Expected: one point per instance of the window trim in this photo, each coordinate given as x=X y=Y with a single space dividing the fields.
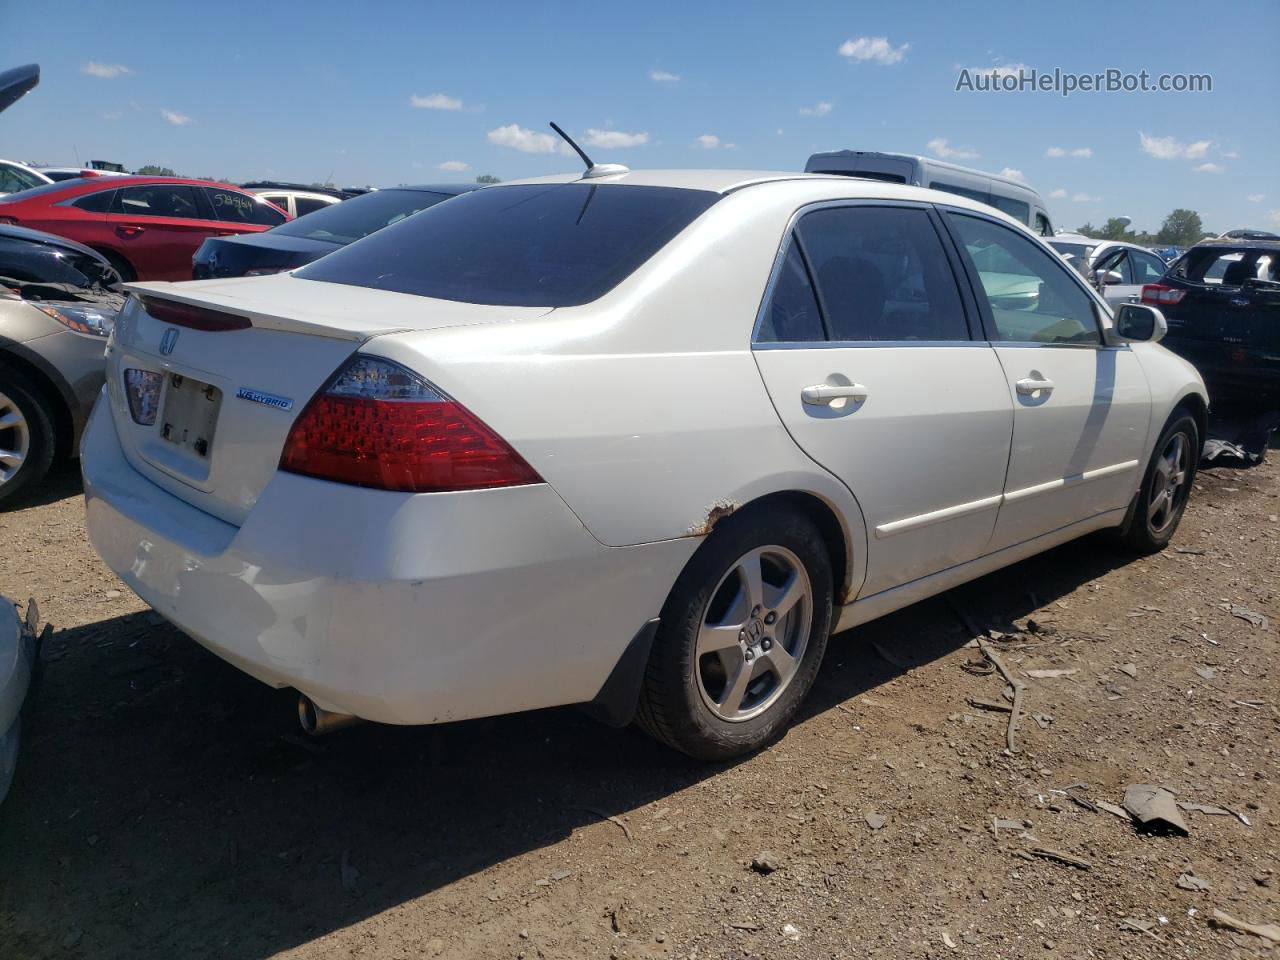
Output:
x=969 y=306
x=1100 y=309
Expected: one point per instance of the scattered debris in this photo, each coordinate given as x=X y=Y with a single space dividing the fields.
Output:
x=1011 y=731
x=876 y=820
x=1047 y=853
x=790 y=931
x=1049 y=674
x=1111 y=808
x=989 y=705
x=1000 y=823
x=1154 y=808
x=1042 y=720
x=1189 y=552
x=946 y=938
x=1214 y=811
x=1129 y=669
x=766 y=862
x=1189 y=881
x=1142 y=926
x=1267 y=931
x=746 y=925
x=1244 y=613
x=1205 y=673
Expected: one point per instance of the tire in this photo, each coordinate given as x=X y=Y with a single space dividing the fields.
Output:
x=121 y=266
x=27 y=438
x=1162 y=498
x=708 y=632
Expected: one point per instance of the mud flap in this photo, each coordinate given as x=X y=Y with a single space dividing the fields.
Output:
x=615 y=704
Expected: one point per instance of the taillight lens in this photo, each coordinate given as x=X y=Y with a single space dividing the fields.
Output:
x=378 y=424
x=1158 y=295
x=142 y=387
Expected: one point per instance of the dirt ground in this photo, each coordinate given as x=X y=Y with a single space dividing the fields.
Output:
x=166 y=805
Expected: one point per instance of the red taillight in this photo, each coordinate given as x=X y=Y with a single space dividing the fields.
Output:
x=1158 y=295
x=379 y=425
x=196 y=318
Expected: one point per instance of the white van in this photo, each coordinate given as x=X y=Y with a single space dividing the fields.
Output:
x=1009 y=196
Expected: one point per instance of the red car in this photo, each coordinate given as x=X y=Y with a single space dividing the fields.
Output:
x=148 y=227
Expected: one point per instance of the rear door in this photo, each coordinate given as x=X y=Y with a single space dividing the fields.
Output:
x=865 y=346
x=158 y=226
x=238 y=212
x=1081 y=408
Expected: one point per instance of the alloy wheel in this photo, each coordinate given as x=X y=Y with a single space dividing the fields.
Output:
x=753 y=633
x=15 y=439
x=1169 y=483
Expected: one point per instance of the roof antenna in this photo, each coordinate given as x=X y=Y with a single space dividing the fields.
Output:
x=593 y=169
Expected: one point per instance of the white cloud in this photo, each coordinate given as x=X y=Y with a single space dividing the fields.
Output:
x=614 y=139
x=1209 y=168
x=1055 y=152
x=662 y=76
x=1256 y=197
x=175 y=118
x=873 y=49
x=819 y=109
x=435 y=101
x=1230 y=155
x=1058 y=194
x=1084 y=152
x=520 y=138
x=942 y=148
x=708 y=141
x=1084 y=198
x=1000 y=70
x=107 y=71
x=1197 y=150
x=1013 y=174
x=454 y=166
x=1167 y=148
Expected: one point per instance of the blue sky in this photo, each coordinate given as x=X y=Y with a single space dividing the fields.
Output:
x=322 y=90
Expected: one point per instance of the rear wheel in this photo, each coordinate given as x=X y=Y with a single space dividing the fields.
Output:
x=27 y=439
x=741 y=639
x=1166 y=486
x=121 y=266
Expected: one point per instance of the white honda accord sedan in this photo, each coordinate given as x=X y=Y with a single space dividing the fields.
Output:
x=640 y=441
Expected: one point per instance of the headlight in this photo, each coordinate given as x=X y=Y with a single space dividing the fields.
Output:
x=94 y=321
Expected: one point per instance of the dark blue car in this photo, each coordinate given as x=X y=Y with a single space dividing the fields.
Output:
x=310 y=237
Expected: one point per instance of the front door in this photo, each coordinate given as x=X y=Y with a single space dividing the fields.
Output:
x=158 y=226
x=866 y=350
x=1081 y=408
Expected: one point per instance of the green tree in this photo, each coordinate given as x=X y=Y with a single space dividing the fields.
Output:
x=1115 y=229
x=1181 y=228
x=487 y=178
x=151 y=170
x=1088 y=230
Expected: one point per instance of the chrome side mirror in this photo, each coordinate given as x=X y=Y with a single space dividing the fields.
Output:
x=1138 y=323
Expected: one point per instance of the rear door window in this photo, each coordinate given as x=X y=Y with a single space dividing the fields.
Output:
x=792 y=315
x=1018 y=209
x=882 y=275
x=534 y=245
x=232 y=206
x=304 y=205
x=1147 y=267
x=172 y=200
x=99 y=202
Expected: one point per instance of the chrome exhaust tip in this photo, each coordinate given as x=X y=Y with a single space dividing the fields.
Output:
x=317 y=721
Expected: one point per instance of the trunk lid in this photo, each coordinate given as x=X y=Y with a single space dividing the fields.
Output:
x=226 y=398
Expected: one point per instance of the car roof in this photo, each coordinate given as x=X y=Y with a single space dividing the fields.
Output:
x=1232 y=244
x=453 y=189
x=125 y=180
x=717 y=181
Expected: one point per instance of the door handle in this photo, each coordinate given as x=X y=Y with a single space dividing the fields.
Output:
x=130 y=230
x=1034 y=384
x=823 y=393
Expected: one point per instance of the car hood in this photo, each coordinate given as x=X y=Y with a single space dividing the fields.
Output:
x=48 y=239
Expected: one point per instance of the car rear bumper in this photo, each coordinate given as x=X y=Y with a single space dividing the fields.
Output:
x=398 y=608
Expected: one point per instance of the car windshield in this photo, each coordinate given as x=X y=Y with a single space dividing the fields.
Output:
x=536 y=245
x=349 y=221
x=1080 y=251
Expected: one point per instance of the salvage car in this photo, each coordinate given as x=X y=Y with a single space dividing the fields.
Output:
x=147 y=227
x=58 y=300
x=297 y=242
x=15 y=177
x=1119 y=269
x=639 y=440
x=1221 y=300
x=296 y=199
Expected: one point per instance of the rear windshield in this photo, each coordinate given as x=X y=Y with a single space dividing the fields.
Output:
x=1226 y=266
x=355 y=219
x=535 y=245
x=41 y=190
